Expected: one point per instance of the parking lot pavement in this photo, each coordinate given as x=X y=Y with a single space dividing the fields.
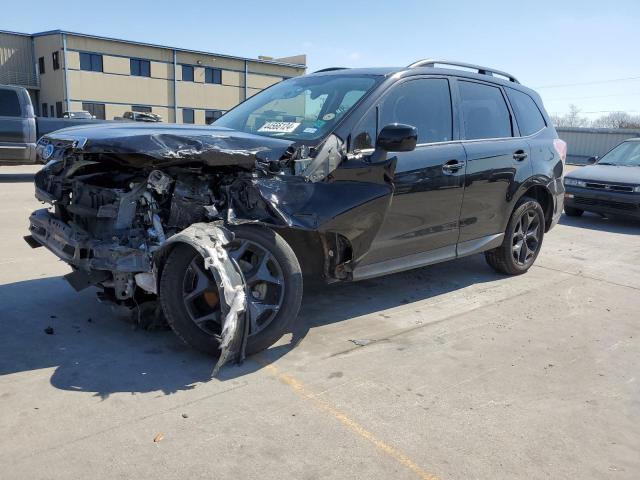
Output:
x=456 y=372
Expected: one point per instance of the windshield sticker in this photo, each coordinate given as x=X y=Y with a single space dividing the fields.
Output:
x=329 y=116
x=279 y=127
x=310 y=130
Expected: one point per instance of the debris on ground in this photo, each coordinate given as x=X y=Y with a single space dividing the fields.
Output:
x=184 y=415
x=158 y=438
x=361 y=342
x=48 y=330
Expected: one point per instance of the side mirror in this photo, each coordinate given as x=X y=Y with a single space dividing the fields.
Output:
x=397 y=137
x=592 y=160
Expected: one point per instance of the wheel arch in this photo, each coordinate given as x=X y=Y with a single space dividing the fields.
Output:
x=544 y=197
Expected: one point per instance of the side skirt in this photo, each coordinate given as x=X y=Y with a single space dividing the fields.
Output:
x=431 y=257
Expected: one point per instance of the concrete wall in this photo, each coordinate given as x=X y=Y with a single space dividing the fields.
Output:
x=583 y=143
x=52 y=81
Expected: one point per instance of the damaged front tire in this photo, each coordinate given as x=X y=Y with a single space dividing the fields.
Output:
x=273 y=281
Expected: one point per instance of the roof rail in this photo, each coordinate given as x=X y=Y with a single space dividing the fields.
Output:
x=432 y=62
x=331 y=69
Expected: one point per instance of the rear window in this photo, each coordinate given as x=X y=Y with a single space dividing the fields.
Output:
x=9 y=104
x=485 y=111
x=528 y=115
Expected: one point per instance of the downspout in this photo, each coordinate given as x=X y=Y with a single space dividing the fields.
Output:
x=175 y=87
x=246 y=79
x=66 y=72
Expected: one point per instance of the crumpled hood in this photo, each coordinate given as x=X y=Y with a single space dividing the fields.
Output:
x=142 y=145
x=607 y=174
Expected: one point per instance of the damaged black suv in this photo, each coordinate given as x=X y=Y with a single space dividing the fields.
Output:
x=343 y=174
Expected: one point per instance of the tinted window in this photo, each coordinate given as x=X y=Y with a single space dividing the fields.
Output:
x=41 y=65
x=527 y=113
x=213 y=75
x=59 y=109
x=45 y=110
x=187 y=115
x=141 y=108
x=140 y=68
x=9 y=104
x=56 y=60
x=187 y=73
x=484 y=110
x=91 y=62
x=424 y=104
x=365 y=135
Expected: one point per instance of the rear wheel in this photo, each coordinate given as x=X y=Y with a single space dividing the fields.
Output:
x=573 y=212
x=191 y=298
x=522 y=240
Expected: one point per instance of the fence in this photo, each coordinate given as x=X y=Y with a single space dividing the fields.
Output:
x=583 y=143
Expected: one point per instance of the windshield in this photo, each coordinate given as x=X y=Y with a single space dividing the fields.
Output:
x=626 y=154
x=302 y=108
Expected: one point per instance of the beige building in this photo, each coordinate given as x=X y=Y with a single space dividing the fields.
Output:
x=66 y=71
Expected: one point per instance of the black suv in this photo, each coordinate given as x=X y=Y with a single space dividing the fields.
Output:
x=344 y=174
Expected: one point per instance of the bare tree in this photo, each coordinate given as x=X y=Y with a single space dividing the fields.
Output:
x=570 y=119
x=617 y=120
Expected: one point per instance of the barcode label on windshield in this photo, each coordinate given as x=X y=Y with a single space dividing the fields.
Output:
x=279 y=127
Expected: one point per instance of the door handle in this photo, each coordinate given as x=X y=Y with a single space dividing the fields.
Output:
x=520 y=155
x=452 y=166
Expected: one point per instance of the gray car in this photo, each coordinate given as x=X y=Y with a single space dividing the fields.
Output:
x=611 y=185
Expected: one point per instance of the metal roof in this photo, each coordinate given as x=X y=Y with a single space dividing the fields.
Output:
x=144 y=44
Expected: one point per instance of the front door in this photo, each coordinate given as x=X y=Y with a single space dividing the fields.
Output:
x=429 y=181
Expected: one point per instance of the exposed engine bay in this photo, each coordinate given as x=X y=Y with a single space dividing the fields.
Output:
x=118 y=205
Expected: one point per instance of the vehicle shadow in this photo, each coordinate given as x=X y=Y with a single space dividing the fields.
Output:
x=16 y=177
x=91 y=351
x=612 y=224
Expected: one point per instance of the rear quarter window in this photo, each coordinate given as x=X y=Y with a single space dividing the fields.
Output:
x=528 y=115
x=9 y=104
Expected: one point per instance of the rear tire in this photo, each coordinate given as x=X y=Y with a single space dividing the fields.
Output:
x=522 y=240
x=573 y=212
x=172 y=295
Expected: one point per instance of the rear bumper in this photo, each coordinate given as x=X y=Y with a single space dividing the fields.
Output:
x=627 y=204
x=83 y=252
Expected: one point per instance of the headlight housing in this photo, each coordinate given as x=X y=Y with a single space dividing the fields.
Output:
x=574 y=182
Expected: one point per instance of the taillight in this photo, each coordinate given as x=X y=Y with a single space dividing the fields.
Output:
x=561 y=148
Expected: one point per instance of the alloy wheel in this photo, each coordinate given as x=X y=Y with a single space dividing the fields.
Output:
x=526 y=237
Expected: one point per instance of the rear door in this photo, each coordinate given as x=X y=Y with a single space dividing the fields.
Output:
x=497 y=162
x=429 y=181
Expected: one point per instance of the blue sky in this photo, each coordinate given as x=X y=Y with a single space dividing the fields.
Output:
x=583 y=46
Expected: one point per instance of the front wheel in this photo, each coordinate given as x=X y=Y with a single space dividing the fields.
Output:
x=191 y=299
x=522 y=240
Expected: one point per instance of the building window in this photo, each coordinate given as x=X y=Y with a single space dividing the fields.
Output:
x=59 y=109
x=140 y=68
x=41 y=65
x=141 y=108
x=211 y=116
x=52 y=110
x=187 y=73
x=45 y=110
x=56 y=60
x=187 y=115
x=91 y=62
x=213 y=75
x=95 y=109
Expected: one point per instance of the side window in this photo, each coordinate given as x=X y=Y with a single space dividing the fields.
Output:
x=422 y=103
x=9 y=104
x=528 y=115
x=484 y=111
